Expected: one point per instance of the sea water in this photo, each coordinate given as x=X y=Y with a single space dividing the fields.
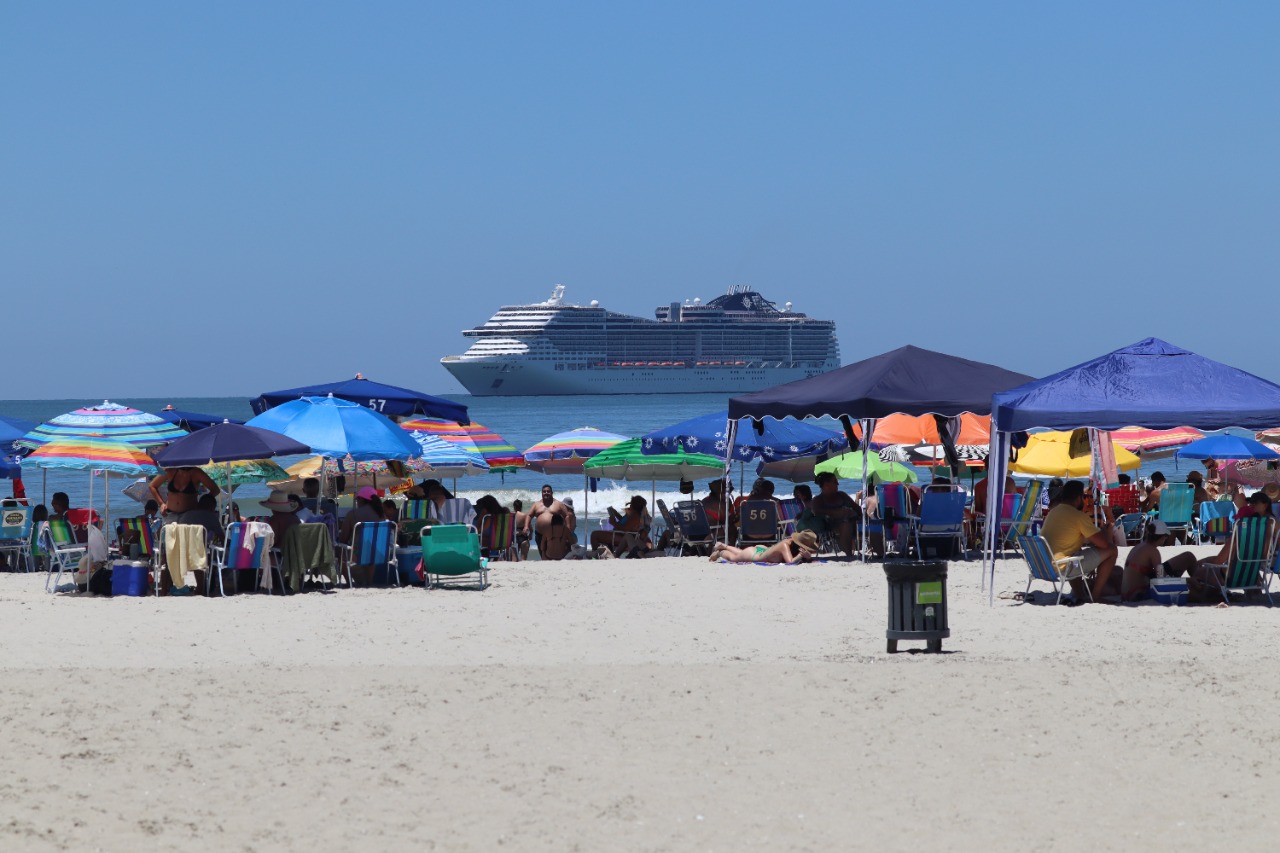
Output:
x=523 y=421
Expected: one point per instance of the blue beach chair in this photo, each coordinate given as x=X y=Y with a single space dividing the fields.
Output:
x=1176 y=501
x=373 y=543
x=941 y=518
x=1043 y=567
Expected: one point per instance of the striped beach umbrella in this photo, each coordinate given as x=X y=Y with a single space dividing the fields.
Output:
x=93 y=453
x=564 y=453
x=450 y=458
x=499 y=453
x=109 y=420
x=1141 y=440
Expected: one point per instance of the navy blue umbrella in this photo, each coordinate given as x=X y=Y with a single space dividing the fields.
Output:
x=385 y=399
x=780 y=439
x=192 y=421
x=228 y=442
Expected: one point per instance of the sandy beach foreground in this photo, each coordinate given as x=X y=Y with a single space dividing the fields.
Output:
x=652 y=705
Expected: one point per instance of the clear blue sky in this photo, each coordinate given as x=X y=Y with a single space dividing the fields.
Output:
x=223 y=198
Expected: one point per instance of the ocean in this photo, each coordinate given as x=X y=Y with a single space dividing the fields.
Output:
x=522 y=420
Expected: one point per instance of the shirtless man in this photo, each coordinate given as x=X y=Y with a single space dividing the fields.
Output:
x=553 y=525
x=1144 y=562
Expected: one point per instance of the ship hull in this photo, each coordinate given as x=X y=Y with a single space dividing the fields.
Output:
x=511 y=378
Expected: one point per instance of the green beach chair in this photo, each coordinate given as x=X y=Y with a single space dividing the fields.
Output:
x=452 y=551
x=58 y=541
x=1176 y=502
x=1251 y=558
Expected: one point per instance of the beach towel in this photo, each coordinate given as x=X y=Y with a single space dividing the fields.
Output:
x=253 y=531
x=307 y=547
x=184 y=546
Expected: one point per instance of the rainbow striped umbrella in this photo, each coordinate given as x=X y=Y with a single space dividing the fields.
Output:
x=93 y=453
x=109 y=420
x=1141 y=440
x=493 y=448
x=565 y=452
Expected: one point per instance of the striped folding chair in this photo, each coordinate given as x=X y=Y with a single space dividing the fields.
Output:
x=415 y=511
x=137 y=530
x=1250 y=559
x=15 y=536
x=895 y=510
x=458 y=511
x=241 y=552
x=788 y=511
x=373 y=543
x=58 y=541
x=1214 y=523
x=497 y=536
x=1124 y=499
x=1043 y=567
x=1026 y=513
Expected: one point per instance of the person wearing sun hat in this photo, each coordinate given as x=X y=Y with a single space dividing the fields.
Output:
x=283 y=515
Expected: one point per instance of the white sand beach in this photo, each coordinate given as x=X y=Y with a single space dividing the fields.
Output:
x=664 y=704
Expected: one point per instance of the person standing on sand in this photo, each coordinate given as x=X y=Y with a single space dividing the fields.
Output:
x=1070 y=532
x=553 y=525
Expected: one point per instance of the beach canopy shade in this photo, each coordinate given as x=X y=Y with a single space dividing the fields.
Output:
x=923 y=429
x=228 y=442
x=627 y=461
x=448 y=458
x=1227 y=446
x=387 y=400
x=564 y=452
x=1047 y=454
x=496 y=450
x=109 y=420
x=909 y=380
x=849 y=466
x=337 y=428
x=709 y=434
x=13 y=429
x=91 y=452
x=192 y=421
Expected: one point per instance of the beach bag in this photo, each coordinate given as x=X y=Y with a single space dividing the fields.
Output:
x=100 y=582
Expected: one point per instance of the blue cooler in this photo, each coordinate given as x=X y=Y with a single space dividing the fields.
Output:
x=1169 y=591
x=129 y=578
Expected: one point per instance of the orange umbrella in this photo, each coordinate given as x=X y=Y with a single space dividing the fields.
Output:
x=920 y=429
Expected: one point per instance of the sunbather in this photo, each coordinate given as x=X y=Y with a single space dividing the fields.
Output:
x=799 y=547
x=1144 y=562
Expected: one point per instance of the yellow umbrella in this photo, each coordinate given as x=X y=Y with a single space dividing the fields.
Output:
x=1046 y=455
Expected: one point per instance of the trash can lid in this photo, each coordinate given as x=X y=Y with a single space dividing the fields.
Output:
x=909 y=571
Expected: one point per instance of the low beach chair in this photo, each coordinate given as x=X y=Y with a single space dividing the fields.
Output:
x=758 y=523
x=59 y=544
x=497 y=536
x=1250 y=559
x=1043 y=567
x=136 y=530
x=415 y=511
x=1132 y=524
x=373 y=543
x=15 y=536
x=694 y=526
x=242 y=551
x=452 y=551
x=941 y=518
x=307 y=552
x=1175 y=507
x=1215 y=521
x=1124 y=499
x=458 y=511
x=788 y=511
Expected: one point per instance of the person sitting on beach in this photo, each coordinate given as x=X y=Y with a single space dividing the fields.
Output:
x=1213 y=483
x=59 y=505
x=713 y=506
x=831 y=511
x=283 y=516
x=980 y=493
x=1144 y=562
x=185 y=484
x=552 y=523
x=761 y=490
x=802 y=494
x=310 y=494
x=1070 y=532
x=1199 y=493
x=1152 y=499
x=368 y=509
x=629 y=531
x=799 y=547
x=521 y=521
x=1207 y=574
x=206 y=515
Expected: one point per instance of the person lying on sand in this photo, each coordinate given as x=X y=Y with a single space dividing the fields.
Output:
x=800 y=547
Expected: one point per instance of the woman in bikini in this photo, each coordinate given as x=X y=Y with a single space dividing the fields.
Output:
x=800 y=547
x=184 y=490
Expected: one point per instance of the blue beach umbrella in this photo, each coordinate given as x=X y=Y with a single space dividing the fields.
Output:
x=708 y=434
x=1226 y=446
x=338 y=428
x=388 y=400
x=449 y=459
x=192 y=421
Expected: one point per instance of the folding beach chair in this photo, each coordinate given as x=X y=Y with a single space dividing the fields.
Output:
x=788 y=511
x=1133 y=525
x=178 y=544
x=1043 y=567
x=1176 y=502
x=136 y=530
x=242 y=551
x=415 y=511
x=59 y=544
x=497 y=536
x=1026 y=513
x=941 y=519
x=15 y=536
x=458 y=511
x=373 y=543
x=694 y=526
x=80 y=519
x=1251 y=558
x=307 y=552
x=1124 y=499
x=1214 y=523
x=452 y=551
x=895 y=509
x=757 y=522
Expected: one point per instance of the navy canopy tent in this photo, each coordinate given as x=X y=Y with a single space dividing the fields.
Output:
x=385 y=399
x=909 y=380
x=192 y=421
x=1151 y=384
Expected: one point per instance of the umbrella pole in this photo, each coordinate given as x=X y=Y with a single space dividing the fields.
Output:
x=586 y=504
x=44 y=489
x=106 y=498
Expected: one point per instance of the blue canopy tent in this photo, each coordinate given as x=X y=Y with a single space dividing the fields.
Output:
x=385 y=399
x=1151 y=384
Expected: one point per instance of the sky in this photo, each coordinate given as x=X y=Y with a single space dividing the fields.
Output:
x=226 y=198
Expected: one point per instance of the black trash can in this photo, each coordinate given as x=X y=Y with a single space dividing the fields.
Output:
x=917 y=602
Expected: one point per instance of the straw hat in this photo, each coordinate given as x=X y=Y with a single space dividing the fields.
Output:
x=278 y=502
x=1272 y=491
x=806 y=539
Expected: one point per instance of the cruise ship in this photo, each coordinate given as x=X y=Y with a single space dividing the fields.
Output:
x=737 y=342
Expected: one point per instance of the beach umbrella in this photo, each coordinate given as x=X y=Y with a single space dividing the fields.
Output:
x=1228 y=446
x=923 y=429
x=388 y=400
x=13 y=429
x=565 y=452
x=109 y=420
x=228 y=442
x=927 y=455
x=1154 y=442
x=499 y=453
x=849 y=466
x=92 y=453
x=339 y=428
x=627 y=460
x=449 y=458
x=1047 y=454
x=192 y=421
x=377 y=475
x=228 y=475
x=709 y=434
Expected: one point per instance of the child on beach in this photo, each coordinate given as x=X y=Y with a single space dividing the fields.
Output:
x=799 y=547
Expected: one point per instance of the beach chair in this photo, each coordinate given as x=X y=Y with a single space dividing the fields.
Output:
x=1214 y=523
x=416 y=511
x=1176 y=503
x=1132 y=524
x=1026 y=513
x=497 y=536
x=373 y=543
x=1251 y=558
x=59 y=544
x=695 y=528
x=1124 y=499
x=1043 y=567
x=80 y=519
x=180 y=548
x=242 y=552
x=15 y=536
x=452 y=551
x=136 y=530
x=757 y=523
x=941 y=518
x=788 y=511
x=895 y=510
x=307 y=552
x=458 y=511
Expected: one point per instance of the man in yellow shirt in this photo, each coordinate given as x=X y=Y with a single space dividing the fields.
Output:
x=1071 y=533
